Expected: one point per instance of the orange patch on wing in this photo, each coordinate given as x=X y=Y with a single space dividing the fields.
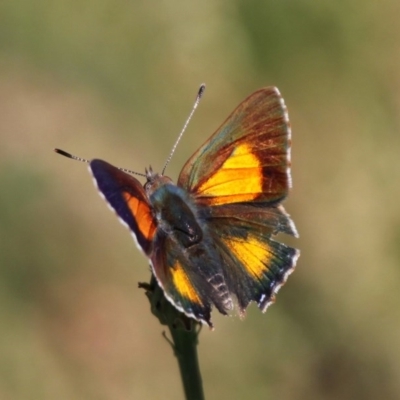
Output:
x=142 y=214
x=252 y=253
x=238 y=179
x=183 y=284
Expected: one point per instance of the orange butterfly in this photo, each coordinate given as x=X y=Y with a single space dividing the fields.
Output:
x=209 y=237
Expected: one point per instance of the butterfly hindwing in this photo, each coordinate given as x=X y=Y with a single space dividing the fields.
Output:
x=255 y=266
x=191 y=277
x=248 y=157
x=126 y=196
x=271 y=220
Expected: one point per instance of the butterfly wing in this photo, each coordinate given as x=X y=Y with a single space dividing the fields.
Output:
x=188 y=274
x=191 y=277
x=240 y=176
x=255 y=266
x=126 y=196
x=248 y=157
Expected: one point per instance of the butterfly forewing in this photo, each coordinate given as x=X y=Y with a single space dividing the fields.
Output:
x=248 y=157
x=126 y=196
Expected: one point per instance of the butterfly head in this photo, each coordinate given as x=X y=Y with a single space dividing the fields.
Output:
x=154 y=181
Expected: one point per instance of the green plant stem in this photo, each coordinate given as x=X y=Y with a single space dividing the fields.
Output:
x=184 y=332
x=185 y=349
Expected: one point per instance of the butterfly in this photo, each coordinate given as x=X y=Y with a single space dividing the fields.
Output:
x=209 y=238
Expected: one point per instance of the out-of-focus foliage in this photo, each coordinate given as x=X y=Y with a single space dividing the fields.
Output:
x=116 y=80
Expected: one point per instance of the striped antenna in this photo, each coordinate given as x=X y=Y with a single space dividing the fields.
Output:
x=69 y=155
x=196 y=103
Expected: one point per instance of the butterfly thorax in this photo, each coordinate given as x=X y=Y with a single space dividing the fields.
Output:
x=174 y=211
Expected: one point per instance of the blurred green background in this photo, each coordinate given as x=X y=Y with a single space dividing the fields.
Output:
x=116 y=80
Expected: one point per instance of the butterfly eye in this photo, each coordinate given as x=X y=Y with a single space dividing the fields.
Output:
x=147 y=186
x=153 y=182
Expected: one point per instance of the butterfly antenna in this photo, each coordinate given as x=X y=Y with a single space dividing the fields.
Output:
x=69 y=155
x=196 y=103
